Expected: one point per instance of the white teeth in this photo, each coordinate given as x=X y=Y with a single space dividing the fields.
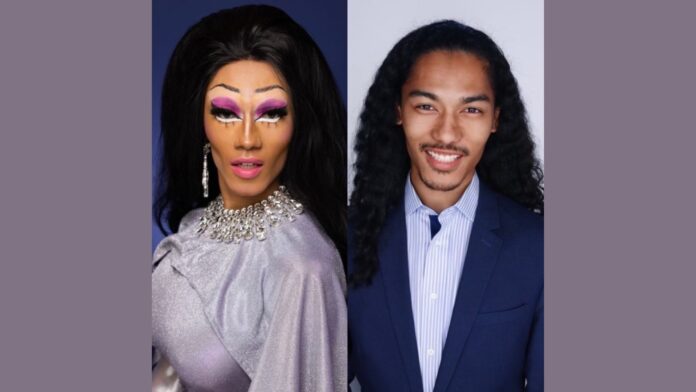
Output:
x=445 y=158
x=247 y=165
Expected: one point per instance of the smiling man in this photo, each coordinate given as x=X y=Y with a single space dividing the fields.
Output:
x=446 y=232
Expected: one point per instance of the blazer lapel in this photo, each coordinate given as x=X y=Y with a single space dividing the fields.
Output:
x=393 y=268
x=481 y=257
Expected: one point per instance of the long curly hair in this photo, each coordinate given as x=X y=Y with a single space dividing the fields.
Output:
x=314 y=172
x=508 y=164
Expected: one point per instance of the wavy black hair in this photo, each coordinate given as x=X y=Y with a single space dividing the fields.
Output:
x=508 y=164
x=314 y=172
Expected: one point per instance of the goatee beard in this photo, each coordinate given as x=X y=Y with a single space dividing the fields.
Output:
x=439 y=187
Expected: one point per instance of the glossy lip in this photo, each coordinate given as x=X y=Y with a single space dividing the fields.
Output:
x=442 y=166
x=247 y=173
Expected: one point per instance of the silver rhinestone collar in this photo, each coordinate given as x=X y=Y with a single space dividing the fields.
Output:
x=250 y=222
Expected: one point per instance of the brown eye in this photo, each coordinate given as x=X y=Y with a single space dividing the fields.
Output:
x=425 y=107
x=473 y=110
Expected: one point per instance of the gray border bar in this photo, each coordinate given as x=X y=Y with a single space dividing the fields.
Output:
x=75 y=204
x=74 y=168
x=620 y=194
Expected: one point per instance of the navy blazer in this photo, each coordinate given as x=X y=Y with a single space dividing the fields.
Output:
x=496 y=335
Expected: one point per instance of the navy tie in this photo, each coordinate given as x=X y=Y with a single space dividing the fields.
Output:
x=434 y=225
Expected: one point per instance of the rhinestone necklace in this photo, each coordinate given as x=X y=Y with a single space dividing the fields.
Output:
x=250 y=222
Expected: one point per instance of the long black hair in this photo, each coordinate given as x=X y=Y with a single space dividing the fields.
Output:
x=314 y=172
x=508 y=164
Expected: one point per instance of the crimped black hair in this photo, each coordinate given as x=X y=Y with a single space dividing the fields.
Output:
x=508 y=164
x=314 y=172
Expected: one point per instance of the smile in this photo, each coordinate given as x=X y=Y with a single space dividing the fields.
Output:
x=444 y=158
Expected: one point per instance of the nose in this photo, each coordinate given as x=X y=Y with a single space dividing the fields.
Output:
x=448 y=129
x=249 y=138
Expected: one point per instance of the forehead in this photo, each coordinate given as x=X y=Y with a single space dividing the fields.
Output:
x=455 y=70
x=247 y=74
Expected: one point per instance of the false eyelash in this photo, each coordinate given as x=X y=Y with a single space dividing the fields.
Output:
x=215 y=111
x=276 y=113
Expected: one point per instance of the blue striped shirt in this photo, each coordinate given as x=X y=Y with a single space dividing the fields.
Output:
x=435 y=266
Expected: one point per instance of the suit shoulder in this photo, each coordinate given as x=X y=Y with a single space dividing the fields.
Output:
x=518 y=219
x=522 y=231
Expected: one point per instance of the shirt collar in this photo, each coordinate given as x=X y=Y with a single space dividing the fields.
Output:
x=466 y=204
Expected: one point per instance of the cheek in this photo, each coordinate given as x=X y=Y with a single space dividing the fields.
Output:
x=219 y=147
x=284 y=135
x=417 y=125
x=413 y=143
x=476 y=129
x=211 y=132
x=417 y=128
x=278 y=141
x=209 y=123
x=480 y=137
x=478 y=144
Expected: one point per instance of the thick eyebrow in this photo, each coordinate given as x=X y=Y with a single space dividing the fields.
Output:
x=429 y=95
x=421 y=93
x=480 y=97
x=258 y=90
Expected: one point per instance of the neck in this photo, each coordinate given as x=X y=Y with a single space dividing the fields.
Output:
x=232 y=201
x=439 y=200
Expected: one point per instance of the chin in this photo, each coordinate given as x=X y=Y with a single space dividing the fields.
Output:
x=444 y=183
x=442 y=186
x=249 y=190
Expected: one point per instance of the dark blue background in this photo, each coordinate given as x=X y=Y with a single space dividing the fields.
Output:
x=325 y=21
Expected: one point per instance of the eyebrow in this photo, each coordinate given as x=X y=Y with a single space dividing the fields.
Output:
x=421 y=93
x=429 y=95
x=271 y=87
x=258 y=90
x=223 y=85
x=474 y=98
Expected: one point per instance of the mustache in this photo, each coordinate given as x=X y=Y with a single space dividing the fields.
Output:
x=440 y=146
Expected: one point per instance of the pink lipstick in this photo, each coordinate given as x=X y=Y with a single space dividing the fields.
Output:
x=247 y=168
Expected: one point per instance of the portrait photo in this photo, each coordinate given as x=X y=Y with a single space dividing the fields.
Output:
x=446 y=196
x=249 y=197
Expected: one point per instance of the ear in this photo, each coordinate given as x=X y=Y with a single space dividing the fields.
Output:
x=495 y=120
x=399 y=121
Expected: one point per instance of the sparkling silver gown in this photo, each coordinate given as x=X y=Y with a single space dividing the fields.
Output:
x=255 y=316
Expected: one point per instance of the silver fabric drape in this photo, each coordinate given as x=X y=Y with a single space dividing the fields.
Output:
x=276 y=306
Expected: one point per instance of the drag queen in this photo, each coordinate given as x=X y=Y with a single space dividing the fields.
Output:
x=248 y=292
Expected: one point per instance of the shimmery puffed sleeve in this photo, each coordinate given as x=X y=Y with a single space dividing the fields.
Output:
x=306 y=346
